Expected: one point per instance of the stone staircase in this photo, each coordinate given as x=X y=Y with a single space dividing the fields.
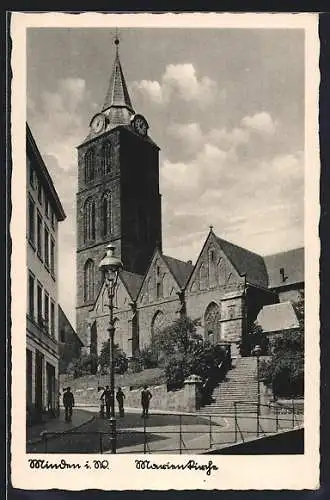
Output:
x=240 y=385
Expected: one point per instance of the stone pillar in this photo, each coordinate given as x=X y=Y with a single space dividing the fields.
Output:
x=192 y=393
x=266 y=394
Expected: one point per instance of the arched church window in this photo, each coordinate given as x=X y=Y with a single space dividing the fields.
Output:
x=106 y=214
x=166 y=291
x=212 y=268
x=106 y=158
x=157 y=323
x=89 y=165
x=89 y=220
x=203 y=277
x=212 y=323
x=89 y=271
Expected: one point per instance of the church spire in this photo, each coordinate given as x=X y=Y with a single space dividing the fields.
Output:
x=117 y=95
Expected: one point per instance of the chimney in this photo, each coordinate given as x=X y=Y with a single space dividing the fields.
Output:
x=189 y=262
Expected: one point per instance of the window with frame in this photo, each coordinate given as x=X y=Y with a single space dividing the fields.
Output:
x=39 y=304
x=46 y=246
x=52 y=256
x=203 y=277
x=89 y=281
x=39 y=234
x=89 y=220
x=39 y=192
x=31 y=174
x=52 y=318
x=106 y=158
x=31 y=221
x=62 y=335
x=89 y=165
x=31 y=296
x=106 y=214
x=46 y=312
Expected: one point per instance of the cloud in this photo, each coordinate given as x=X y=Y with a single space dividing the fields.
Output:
x=58 y=126
x=58 y=122
x=179 y=81
x=257 y=203
x=189 y=135
x=182 y=78
x=150 y=88
x=260 y=122
x=228 y=139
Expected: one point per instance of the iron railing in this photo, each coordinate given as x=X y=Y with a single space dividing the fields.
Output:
x=187 y=433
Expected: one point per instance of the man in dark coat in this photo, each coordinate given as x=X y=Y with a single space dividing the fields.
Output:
x=106 y=397
x=145 y=400
x=120 y=396
x=68 y=403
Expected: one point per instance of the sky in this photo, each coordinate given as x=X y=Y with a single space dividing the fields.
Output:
x=226 y=107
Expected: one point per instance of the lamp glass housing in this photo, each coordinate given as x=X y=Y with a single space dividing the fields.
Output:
x=111 y=265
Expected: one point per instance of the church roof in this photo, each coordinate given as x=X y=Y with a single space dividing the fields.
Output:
x=277 y=317
x=246 y=262
x=181 y=270
x=292 y=264
x=117 y=94
x=132 y=282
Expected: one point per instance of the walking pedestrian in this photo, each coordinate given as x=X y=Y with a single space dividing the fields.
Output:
x=68 y=403
x=145 y=401
x=120 y=396
x=106 y=397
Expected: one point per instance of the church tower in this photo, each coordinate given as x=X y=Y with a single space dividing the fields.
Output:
x=118 y=197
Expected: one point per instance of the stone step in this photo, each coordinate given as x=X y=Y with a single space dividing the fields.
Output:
x=241 y=385
x=235 y=389
x=237 y=397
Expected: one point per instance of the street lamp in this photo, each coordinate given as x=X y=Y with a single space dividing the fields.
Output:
x=257 y=352
x=111 y=265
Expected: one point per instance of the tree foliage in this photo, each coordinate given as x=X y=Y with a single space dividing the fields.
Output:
x=178 y=337
x=184 y=353
x=85 y=364
x=120 y=359
x=146 y=357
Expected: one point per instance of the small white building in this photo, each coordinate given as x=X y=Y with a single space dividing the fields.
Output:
x=44 y=211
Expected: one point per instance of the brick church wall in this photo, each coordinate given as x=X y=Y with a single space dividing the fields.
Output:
x=147 y=313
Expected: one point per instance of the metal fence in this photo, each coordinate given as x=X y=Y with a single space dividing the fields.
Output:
x=181 y=433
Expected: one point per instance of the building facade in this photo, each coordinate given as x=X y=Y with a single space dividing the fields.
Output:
x=44 y=212
x=69 y=344
x=225 y=289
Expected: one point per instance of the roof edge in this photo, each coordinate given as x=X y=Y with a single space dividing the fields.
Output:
x=61 y=215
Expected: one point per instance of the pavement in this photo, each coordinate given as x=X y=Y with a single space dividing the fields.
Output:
x=167 y=432
x=80 y=417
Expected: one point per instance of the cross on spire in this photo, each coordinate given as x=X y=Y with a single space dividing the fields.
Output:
x=117 y=40
x=117 y=97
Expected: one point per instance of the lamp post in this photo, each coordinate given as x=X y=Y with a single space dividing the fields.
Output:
x=257 y=352
x=111 y=266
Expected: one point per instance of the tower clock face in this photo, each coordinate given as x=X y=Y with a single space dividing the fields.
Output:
x=140 y=125
x=98 y=123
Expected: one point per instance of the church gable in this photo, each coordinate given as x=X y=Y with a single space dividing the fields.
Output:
x=122 y=300
x=159 y=283
x=213 y=269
